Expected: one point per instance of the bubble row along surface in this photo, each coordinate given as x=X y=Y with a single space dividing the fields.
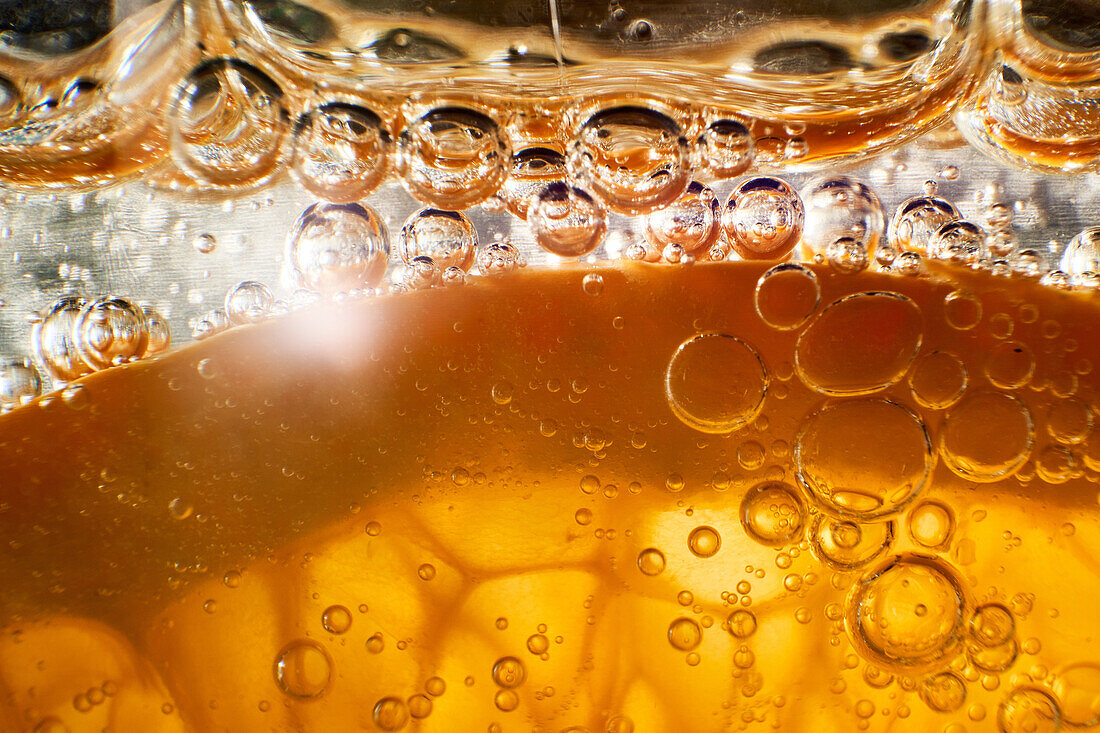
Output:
x=343 y=251
x=224 y=96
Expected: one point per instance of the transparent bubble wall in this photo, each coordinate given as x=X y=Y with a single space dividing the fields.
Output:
x=166 y=152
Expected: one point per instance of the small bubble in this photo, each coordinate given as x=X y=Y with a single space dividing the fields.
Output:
x=931 y=524
x=375 y=643
x=426 y=571
x=567 y=221
x=651 y=561
x=1029 y=710
x=944 y=692
x=727 y=148
x=509 y=672
x=391 y=713
x=992 y=625
x=772 y=514
x=716 y=383
x=302 y=669
x=180 y=508
x=704 y=541
x=373 y=529
x=691 y=225
x=420 y=706
x=435 y=686
x=341 y=152
x=336 y=619
x=452 y=157
x=205 y=243
x=604 y=158
x=448 y=238
x=538 y=644
x=684 y=634
x=763 y=218
x=337 y=248
x=501 y=393
x=592 y=284
x=506 y=700
x=248 y=302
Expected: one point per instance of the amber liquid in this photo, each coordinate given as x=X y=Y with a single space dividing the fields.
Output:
x=511 y=506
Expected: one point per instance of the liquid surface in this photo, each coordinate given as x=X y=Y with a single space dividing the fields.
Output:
x=510 y=506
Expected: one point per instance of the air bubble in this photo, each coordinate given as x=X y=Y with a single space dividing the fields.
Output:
x=337 y=248
x=498 y=258
x=390 y=713
x=863 y=459
x=566 y=221
x=844 y=545
x=684 y=634
x=533 y=169
x=847 y=256
x=204 y=243
x=859 y=344
x=931 y=524
x=839 y=207
x=509 y=672
x=938 y=380
x=907 y=613
x=1069 y=421
x=1010 y=365
x=959 y=242
x=633 y=159
x=447 y=237
x=962 y=310
x=716 y=383
x=1077 y=687
x=248 y=302
x=421 y=273
x=19 y=383
x=506 y=700
x=110 y=331
x=726 y=148
x=742 y=624
x=692 y=222
x=227 y=124
x=336 y=619
x=916 y=221
x=538 y=644
x=772 y=514
x=786 y=296
x=592 y=284
x=160 y=336
x=992 y=625
x=303 y=669
x=209 y=323
x=1081 y=258
x=763 y=219
x=341 y=152
x=452 y=158
x=944 y=692
x=651 y=561
x=704 y=541
x=420 y=706
x=986 y=436
x=1029 y=710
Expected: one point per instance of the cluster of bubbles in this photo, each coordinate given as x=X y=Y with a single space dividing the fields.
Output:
x=862 y=463
x=75 y=337
x=564 y=176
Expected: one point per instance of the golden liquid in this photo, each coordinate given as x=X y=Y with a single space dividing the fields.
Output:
x=480 y=509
